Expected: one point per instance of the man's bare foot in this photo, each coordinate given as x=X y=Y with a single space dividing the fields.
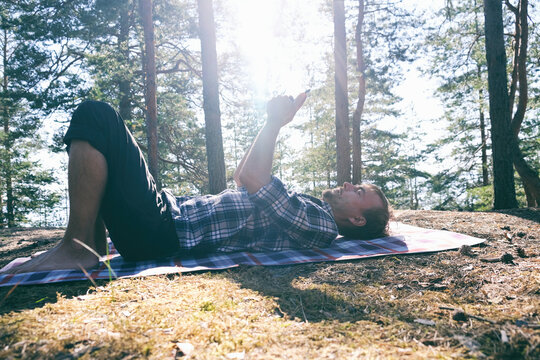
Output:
x=65 y=255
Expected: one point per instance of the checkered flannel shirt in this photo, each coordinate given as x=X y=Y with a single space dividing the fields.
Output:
x=272 y=219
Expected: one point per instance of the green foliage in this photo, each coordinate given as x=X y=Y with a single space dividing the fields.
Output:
x=315 y=169
x=456 y=49
x=38 y=74
x=387 y=43
x=391 y=162
x=61 y=52
x=481 y=198
x=181 y=146
x=114 y=59
x=458 y=45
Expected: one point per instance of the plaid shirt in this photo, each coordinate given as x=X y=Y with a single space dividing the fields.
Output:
x=272 y=219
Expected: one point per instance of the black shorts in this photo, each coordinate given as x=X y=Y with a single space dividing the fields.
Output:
x=135 y=213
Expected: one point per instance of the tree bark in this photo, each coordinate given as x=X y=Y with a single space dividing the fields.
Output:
x=357 y=116
x=7 y=163
x=499 y=111
x=145 y=7
x=124 y=85
x=485 y=175
x=483 y=138
x=212 y=114
x=343 y=145
x=529 y=177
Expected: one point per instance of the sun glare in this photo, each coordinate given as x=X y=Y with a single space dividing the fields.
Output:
x=272 y=37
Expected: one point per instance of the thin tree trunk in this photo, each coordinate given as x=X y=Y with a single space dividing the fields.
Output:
x=485 y=172
x=515 y=59
x=212 y=114
x=483 y=141
x=145 y=7
x=522 y=33
x=124 y=85
x=343 y=145
x=416 y=201
x=357 y=116
x=8 y=173
x=529 y=177
x=328 y=166
x=503 y=174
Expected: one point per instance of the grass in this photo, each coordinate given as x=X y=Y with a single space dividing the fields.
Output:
x=375 y=308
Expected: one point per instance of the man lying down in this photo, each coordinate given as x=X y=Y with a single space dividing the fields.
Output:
x=111 y=187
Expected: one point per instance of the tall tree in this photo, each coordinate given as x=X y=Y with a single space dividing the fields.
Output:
x=343 y=146
x=456 y=45
x=115 y=57
x=357 y=116
x=149 y=67
x=519 y=83
x=125 y=22
x=212 y=115
x=35 y=77
x=499 y=108
x=457 y=53
x=380 y=42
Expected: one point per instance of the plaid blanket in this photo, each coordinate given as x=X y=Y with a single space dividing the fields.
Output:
x=406 y=239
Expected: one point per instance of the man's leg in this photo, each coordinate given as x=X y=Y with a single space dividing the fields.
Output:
x=134 y=211
x=87 y=178
x=109 y=185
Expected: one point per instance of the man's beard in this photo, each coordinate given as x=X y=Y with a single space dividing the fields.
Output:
x=329 y=195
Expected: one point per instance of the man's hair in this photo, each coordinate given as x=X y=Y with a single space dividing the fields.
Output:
x=376 y=225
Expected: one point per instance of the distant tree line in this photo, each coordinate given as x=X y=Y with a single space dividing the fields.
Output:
x=190 y=109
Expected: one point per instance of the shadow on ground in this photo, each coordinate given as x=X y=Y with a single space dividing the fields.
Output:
x=18 y=298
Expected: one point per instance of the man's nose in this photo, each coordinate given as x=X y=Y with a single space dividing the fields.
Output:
x=348 y=186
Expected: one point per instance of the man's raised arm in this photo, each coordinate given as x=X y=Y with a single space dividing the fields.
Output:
x=255 y=169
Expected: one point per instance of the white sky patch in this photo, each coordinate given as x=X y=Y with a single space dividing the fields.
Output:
x=279 y=62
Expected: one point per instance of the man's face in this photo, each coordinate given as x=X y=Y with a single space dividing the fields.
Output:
x=349 y=202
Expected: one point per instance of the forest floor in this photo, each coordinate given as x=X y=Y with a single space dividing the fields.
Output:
x=480 y=302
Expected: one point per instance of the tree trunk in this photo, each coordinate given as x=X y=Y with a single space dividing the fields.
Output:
x=529 y=177
x=483 y=141
x=485 y=173
x=145 y=7
x=124 y=85
x=343 y=145
x=212 y=115
x=7 y=163
x=357 y=116
x=503 y=174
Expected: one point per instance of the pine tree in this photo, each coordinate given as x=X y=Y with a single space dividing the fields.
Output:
x=343 y=146
x=150 y=88
x=212 y=115
x=36 y=77
x=499 y=109
x=115 y=64
x=519 y=83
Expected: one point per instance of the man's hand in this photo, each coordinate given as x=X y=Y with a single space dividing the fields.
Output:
x=281 y=109
x=255 y=168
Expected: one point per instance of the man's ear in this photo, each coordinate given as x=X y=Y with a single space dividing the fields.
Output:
x=358 y=220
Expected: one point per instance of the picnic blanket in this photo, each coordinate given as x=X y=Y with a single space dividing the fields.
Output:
x=405 y=239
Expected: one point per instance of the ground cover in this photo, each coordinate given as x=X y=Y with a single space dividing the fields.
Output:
x=480 y=302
